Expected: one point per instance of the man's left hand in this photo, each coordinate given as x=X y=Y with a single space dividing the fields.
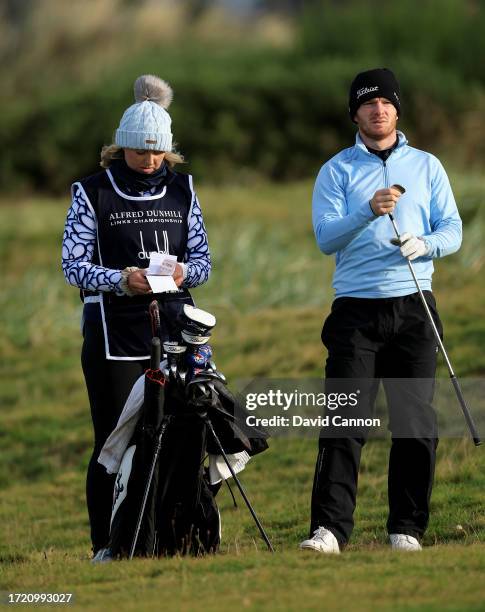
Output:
x=412 y=247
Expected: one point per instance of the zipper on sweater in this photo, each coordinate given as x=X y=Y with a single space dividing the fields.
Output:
x=386 y=174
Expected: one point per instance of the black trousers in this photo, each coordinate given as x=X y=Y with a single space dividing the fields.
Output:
x=368 y=340
x=108 y=383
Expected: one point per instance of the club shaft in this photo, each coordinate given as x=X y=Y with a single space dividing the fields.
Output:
x=454 y=380
x=240 y=487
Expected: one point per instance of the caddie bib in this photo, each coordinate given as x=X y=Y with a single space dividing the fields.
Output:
x=128 y=229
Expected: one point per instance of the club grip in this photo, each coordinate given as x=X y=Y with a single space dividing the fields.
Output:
x=155 y=354
x=154 y=311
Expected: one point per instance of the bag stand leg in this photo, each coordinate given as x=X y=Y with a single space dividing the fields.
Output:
x=156 y=453
x=239 y=485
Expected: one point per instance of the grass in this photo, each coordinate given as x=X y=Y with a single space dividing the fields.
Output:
x=270 y=290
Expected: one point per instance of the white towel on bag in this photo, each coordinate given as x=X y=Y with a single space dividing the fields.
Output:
x=115 y=446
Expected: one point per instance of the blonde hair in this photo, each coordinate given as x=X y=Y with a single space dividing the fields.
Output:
x=113 y=151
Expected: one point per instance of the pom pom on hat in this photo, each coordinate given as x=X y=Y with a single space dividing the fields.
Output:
x=150 y=88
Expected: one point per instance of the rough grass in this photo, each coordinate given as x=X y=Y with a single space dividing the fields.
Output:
x=270 y=291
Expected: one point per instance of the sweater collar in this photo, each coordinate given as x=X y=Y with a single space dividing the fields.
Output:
x=359 y=143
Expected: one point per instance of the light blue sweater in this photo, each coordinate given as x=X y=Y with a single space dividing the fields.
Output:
x=367 y=264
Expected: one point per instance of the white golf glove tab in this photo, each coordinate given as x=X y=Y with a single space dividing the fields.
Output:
x=413 y=247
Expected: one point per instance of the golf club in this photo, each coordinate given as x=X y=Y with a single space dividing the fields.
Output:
x=154 y=311
x=175 y=352
x=454 y=380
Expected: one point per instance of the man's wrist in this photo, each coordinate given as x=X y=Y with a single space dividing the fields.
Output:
x=372 y=210
x=427 y=245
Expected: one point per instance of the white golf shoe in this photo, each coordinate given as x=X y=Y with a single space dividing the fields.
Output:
x=401 y=541
x=322 y=541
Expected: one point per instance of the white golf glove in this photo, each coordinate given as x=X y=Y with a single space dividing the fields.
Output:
x=412 y=247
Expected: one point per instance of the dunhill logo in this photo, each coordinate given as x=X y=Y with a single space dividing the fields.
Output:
x=144 y=254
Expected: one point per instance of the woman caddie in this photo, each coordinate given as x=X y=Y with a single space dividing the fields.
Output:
x=135 y=206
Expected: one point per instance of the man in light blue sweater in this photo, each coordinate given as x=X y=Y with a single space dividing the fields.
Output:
x=378 y=328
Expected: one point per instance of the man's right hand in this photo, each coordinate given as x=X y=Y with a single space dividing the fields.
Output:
x=384 y=201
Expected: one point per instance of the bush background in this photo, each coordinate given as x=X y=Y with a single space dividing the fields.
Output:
x=259 y=94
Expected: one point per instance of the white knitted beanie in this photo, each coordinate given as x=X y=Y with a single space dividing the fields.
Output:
x=146 y=124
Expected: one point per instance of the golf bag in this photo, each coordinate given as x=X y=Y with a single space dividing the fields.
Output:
x=181 y=515
x=163 y=501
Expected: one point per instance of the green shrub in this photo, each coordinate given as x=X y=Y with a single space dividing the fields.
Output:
x=442 y=33
x=237 y=115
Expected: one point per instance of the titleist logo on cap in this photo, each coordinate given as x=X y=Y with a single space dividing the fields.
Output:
x=364 y=90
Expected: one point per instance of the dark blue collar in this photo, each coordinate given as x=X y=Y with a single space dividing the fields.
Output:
x=134 y=183
x=384 y=154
